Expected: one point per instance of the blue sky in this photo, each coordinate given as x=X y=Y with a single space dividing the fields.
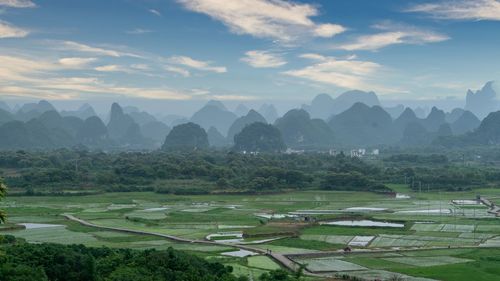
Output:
x=246 y=50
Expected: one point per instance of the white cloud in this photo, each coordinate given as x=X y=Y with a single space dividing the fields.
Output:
x=263 y=59
x=76 y=62
x=349 y=74
x=138 y=31
x=9 y=31
x=178 y=70
x=17 y=3
x=112 y=68
x=78 y=47
x=312 y=56
x=28 y=77
x=140 y=66
x=460 y=9
x=328 y=30
x=155 y=12
x=196 y=64
x=275 y=19
x=393 y=34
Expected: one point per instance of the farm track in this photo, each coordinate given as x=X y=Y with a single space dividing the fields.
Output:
x=494 y=209
x=283 y=260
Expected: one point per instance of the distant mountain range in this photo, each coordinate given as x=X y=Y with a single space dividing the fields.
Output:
x=353 y=119
x=323 y=106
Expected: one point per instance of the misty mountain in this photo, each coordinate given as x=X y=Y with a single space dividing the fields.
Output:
x=156 y=131
x=321 y=106
x=363 y=125
x=140 y=117
x=420 y=112
x=121 y=125
x=83 y=112
x=218 y=104
x=251 y=117
x=434 y=120
x=482 y=101
x=454 y=115
x=395 y=111
x=300 y=131
x=214 y=114
x=407 y=117
x=324 y=106
x=169 y=118
x=53 y=120
x=467 y=122
x=488 y=133
x=33 y=110
x=415 y=134
x=349 y=98
x=179 y=122
x=269 y=112
x=216 y=139
x=259 y=137
x=186 y=137
x=5 y=116
x=241 y=110
x=4 y=106
x=33 y=135
x=93 y=132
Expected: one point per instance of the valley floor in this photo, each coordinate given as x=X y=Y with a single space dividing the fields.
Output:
x=420 y=236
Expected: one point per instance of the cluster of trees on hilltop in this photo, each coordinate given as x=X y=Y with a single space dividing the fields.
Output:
x=51 y=262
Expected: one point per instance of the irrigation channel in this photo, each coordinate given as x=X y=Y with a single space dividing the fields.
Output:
x=285 y=260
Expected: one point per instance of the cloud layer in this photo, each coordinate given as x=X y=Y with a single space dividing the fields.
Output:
x=393 y=34
x=9 y=31
x=345 y=73
x=461 y=9
x=196 y=64
x=275 y=19
x=17 y=3
x=263 y=59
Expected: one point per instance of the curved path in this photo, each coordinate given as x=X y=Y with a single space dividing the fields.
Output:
x=281 y=259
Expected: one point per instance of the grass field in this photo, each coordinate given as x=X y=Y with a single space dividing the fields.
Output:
x=195 y=217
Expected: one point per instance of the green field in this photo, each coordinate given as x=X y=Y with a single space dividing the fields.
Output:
x=197 y=216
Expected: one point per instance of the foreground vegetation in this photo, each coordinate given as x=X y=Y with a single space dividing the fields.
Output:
x=21 y=261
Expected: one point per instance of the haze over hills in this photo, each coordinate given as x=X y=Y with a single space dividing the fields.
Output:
x=353 y=119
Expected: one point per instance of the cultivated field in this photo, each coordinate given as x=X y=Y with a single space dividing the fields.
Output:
x=422 y=237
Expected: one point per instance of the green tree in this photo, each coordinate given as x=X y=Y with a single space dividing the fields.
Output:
x=3 y=192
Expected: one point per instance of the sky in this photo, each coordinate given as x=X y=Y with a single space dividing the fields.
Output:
x=174 y=51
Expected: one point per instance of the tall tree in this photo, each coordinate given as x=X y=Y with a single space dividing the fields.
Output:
x=3 y=191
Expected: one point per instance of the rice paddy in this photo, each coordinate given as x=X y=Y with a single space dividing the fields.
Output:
x=381 y=231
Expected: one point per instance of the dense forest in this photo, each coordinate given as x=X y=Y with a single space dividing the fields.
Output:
x=54 y=172
x=20 y=261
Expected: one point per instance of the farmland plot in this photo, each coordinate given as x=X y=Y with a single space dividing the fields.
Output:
x=428 y=261
x=329 y=264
